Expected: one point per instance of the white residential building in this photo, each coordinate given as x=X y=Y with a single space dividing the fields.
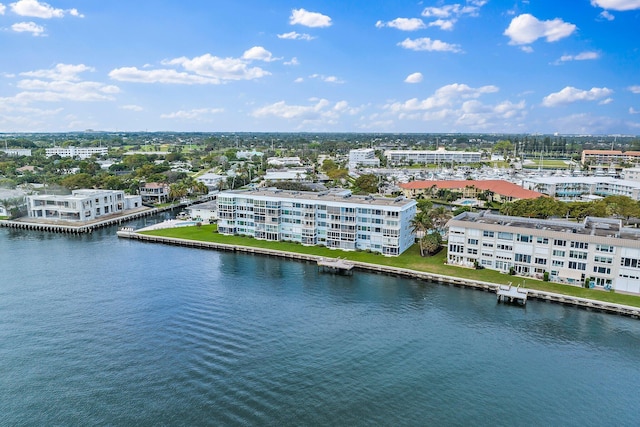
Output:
x=333 y=219
x=287 y=174
x=211 y=180
x=81 y=205
x=630 y=174
x=16 y=151
x=439 y=156
x=77 y=152
x=284 y=161
x=578 y=187
x=205 y=212
x=363 y=157
x=248 y=155
x=598 y=250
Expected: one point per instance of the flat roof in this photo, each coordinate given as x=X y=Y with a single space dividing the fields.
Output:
x=591 y=226
x=343 y=196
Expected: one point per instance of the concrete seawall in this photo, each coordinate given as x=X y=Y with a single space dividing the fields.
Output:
x=578 y=302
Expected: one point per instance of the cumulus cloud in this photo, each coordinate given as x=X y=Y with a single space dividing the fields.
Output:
x=309 y=19
x=258 y=53
x=36 y=9
x=526 y=29
x=205 y=69
x=620 y=5
x=327 y=79
x=28 y=27
x=404 y=24
x=198 y=114
x=583 y=56
x=319 y=111
x=293 y=61
x=447 y=15
x=570 y=94
x=62 y=83
x=413 y=78
x=458 y=106
x=606 y=15
x=295 y=36
x=2 y=9
x=633 y=111
x=427 y=44
x=634 y=89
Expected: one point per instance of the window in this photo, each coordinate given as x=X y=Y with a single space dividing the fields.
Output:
x=558 y=253
x=557 y=263
x=603 y=259
x=524 y=239
x=542 y=261
x=472 y=241
x=505 y=247
x=542 y=240
x=630 y=262
x=577 y=265
x=456 y=248
x=602 y=270
x=505 y=236
x=522 y=258
x=472 y=251
x=557 y=242
x=604 y=248
x=580 y=245
x=487 y=245
x=577 y=254
x=487 y=233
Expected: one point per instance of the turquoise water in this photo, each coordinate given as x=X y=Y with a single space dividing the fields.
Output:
x=97 y=330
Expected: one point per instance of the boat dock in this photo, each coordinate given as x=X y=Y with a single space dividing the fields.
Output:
x=512 y=294
x=335 y=265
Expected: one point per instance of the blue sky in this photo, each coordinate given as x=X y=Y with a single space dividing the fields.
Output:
x=539 y=66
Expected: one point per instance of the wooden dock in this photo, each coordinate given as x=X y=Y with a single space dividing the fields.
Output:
x=335 y=265
x=512 y=294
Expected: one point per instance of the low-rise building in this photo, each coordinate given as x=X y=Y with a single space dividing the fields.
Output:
x=333 y=219
x=206 y=212
x=439 y=156
x=81 y=205
x=606 y=157
x=496 y=190
x=287 y=174
x=16 y=151
x=211 y=180
x=77 y=152
x=284 y=161
x=363 y=157
x=154 y=192
x=598 y=251
x=569 y=188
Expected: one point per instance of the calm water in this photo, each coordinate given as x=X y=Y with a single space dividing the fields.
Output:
x=99 y=330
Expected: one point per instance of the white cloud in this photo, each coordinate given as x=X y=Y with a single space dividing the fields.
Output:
x=413 y=78
x=583 y=56
x=319 y=112
x=36 y=9
x=327 y=79
x=526 y=28
x=61 y=83
x=258 y=53
x=2 y=9
x=607 y=15
x=295 y=36
x=205 y=69
x=199 y=114
x=634 y=89
x=309 y=19
x=633 y=111
x=571 y=94
x=299 y=80
x=458 y=106
x=447 y=15
x=28 y=27
x=443 y=24
x=293 y=61
x=404 y=24
x=427 y=44
x=620 y=5
x=132 y=107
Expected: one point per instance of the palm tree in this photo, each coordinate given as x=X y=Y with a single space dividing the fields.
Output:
x=420 y=224
x=439 y=217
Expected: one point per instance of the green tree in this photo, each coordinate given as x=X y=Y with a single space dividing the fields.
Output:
x=366 y=184
x=432 y=242
x=420 y=224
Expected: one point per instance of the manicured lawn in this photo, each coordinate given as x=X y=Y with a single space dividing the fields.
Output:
x=410 y=259
x=547 y=164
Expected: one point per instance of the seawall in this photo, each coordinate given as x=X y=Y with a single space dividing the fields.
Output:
x=584 y=303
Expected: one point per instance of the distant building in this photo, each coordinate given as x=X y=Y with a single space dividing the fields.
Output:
x=598 y=251
x=287 y=174
x=333 y=219
x=154 y=192
x=363 y=157
x=631 y=174
x=248 y=155
x=81 y=205
x=211 y=180
x=576 y=188
x=439 y=156
x=77 y=152
x=284 y=161
x=205 y=212
x=16 y=151
x=496 y=190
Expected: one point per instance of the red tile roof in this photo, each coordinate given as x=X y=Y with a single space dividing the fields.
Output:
x=498 y=186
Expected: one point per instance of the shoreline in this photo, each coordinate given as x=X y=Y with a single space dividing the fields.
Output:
x=543 y=296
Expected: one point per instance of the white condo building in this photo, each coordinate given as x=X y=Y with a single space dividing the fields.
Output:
x=598 y=250
x=333 y=219
x=77 y=152
x=575 y=188
x=363 y=157
x=81 y=205
x=441 y=155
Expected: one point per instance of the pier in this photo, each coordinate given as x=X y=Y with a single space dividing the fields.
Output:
x=512 y=294
x=335 y=265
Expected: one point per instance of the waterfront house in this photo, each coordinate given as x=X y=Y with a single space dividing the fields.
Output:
x=154 y=192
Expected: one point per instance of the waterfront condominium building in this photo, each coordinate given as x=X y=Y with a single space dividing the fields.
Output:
x=81 y=205
x=76 y=152
x=333 y=219
x=363 y=157
x=569 y=188
x=439 y=156
x=597 y=251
